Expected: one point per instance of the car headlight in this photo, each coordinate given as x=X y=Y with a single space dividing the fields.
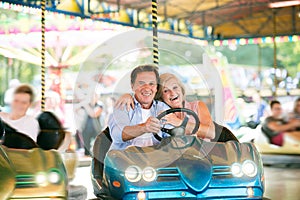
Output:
x=54 y=177
x=149 y=174
x=249 y=168
x=133 y=173
x=236 y=170
x=41 y=179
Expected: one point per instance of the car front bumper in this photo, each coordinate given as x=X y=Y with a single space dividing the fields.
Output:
x=217 y=193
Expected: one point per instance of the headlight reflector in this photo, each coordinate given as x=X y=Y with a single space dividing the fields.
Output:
x=236 y=170
x=54 y=177
x=249 y=168
x=133 y=173
x=149 y=174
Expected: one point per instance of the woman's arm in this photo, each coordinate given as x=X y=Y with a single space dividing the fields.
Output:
x=207 y=127
x=126 y=100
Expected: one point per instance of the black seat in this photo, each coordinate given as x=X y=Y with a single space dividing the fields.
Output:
x=101 y=146
x=1 y=129
x=14 y=139
x=11 y=138
x=51 y=134
x=223 y=134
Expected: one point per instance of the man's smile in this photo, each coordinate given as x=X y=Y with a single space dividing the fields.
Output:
x=146 y=94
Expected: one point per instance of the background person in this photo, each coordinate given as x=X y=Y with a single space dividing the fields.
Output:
x=261 y=106
x=52 y=104
x=93 y=121
x=296 y=110
x=275 y=127
x=172 y=92
x=23 y=97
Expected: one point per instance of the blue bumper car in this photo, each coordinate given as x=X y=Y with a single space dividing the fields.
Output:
x=182 y=167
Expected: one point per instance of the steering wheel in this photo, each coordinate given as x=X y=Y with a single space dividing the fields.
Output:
x=178 y=130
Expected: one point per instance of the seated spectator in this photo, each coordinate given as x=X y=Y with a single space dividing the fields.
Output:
x=275 y=127
x=23 y=97
x=296 y=112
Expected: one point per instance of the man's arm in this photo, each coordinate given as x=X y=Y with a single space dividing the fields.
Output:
x=150 y=126
x=283 y=127
x=121 y=131
x=117 y=121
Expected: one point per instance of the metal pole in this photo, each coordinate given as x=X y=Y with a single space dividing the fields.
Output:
x=154 y=28
x=275 y=53
x=43 y=70
x=259 y=65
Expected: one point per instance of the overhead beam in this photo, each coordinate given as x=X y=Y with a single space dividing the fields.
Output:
x=196 y=8
x=229 y=5
x=263 y=25
x=228 y=18
x=242 y=27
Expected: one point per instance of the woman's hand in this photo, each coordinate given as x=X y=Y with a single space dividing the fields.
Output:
x=125 y=101
x=172 y=119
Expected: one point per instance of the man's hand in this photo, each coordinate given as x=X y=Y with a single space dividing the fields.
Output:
x=152 y=125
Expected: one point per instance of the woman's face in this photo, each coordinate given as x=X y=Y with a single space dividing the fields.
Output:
x=172 y=94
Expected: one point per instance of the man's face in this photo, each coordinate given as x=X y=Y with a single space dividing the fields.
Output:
x=277 y=110
x=20 y=103
x=145 y=88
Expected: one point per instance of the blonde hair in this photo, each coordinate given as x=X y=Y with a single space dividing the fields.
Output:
x=163 y=79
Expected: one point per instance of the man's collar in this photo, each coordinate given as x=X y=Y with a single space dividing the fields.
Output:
x=136 y=103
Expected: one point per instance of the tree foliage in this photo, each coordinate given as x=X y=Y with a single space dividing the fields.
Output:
x=287 y=55
x=15 y=69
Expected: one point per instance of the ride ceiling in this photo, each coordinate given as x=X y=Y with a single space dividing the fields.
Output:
x=206 y=19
